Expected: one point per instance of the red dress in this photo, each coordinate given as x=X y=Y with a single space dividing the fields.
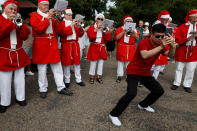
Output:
x=125 y=51
x=97 y=51
x=183 y=53
x=45 y=46
x=70 y=48
x=12 y=59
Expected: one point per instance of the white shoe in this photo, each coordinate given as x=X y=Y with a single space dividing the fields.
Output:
x=29 y=73
x=115 y=120
x=149 y=109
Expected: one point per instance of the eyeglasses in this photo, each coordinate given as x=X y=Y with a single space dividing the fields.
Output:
x=100 y=19
x=159 y=36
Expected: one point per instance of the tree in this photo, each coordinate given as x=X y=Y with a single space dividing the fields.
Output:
x=149 y=10
x=84 y=7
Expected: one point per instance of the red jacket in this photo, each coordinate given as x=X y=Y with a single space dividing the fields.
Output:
x=182 y=53
x=12 y=59
x=70 y=48
x=125 y=51
x=97 y=51
x=45 y=46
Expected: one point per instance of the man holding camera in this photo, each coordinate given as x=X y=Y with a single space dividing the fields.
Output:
x=13 y=57
x=138 y=70
x=45 y=48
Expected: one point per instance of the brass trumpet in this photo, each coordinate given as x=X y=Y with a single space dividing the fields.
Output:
x=18 y=20
x=129 y=32
x=59 y=15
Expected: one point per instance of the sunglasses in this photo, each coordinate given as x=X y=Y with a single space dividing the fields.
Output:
x=100 y=19
x=159 y=36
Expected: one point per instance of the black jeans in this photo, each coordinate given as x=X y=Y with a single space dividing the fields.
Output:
x=132 y=80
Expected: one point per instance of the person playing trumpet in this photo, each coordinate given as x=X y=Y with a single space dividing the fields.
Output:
x=69 y=33
x=97 y=51
x=45 y=48
x=126 y=46
x=13 y=57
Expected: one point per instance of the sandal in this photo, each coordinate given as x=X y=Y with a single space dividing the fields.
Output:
x=99 y=80
x=118 y=80
x=91 y=80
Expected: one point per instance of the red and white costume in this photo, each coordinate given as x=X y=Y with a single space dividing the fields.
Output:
x=97 y=51
x=70 y=55
x=125 y=48
x=162 y=60
x=45 y=49
x=183 y=55
x=13 y=57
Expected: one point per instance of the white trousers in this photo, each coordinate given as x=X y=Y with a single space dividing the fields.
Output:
x=5 y=86
x=162 y=68
x=67 y=73
x=156 y=69
x=58 y=76
x=190 y=69
x=99 y=67
x=120 y=68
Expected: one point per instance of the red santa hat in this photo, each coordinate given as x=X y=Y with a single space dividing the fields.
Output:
x=191 y=13
x=8 y=2
x=127 y=18
x=68 y=10
x=164 y=14
x=43 y=1
x=99 y=15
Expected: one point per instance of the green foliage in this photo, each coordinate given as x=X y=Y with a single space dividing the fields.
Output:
x=148 y=10
x=84 y=7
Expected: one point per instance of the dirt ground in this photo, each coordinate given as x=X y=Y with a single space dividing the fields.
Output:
x=88 y=108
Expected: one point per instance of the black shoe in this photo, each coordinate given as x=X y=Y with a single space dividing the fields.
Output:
x=67 y=85
x=65 y=91
x=81 y=83
x=174 y=87
x=3 y=109
x=161 y=73
x=118 y=80
x=43 y=95
x=189 y=90
x=21 y=103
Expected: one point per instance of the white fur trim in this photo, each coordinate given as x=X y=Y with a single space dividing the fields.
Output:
x=165 y=16
x=68 y=11
x=128 y=18
x=42 y=2
x=193 y=15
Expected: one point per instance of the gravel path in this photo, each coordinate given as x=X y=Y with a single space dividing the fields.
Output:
x=88 y=108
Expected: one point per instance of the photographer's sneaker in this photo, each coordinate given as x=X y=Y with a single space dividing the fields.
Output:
x=29 y=73
x=115 y=120
x=149 y=109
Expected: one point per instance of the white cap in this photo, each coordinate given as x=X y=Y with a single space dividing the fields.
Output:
x=146 y=23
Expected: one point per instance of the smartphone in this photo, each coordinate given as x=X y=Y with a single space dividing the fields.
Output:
x=168 y=31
